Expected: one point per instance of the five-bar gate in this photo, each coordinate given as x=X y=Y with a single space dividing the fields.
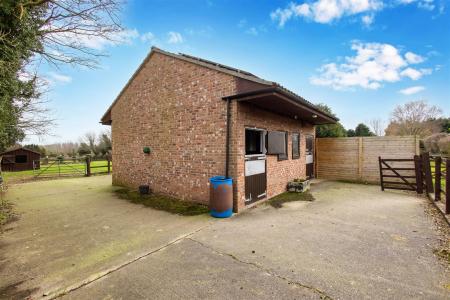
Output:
x=420 y=174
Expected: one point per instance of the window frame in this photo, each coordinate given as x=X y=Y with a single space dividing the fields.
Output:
x=295 y=155
x=263 y=141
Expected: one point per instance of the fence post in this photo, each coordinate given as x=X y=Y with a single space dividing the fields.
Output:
x=437 y=178
x=381 y=173
x=360 y=158
x=419 y=179
x=109 y=164
x=427 y=172
x=88 y=166
x=447 y=186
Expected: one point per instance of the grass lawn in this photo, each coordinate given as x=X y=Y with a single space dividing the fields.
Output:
x=162 y=202
x=68 y=168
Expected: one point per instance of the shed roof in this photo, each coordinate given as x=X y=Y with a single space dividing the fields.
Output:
x=15 y=148
x=106 y=118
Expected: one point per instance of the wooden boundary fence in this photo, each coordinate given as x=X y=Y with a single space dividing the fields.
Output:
x=356 y=158
x=440 y=175
x=431 y=176
x=71 y=167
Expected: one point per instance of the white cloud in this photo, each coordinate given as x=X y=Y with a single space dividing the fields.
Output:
x=373 y=65
x=424 y=4
x=367 y=20
x=413 y=58
x=55 y=77
x=174 y=38
x=148 y=37
x=325 y=11
x=412 y=90
x=411 y=73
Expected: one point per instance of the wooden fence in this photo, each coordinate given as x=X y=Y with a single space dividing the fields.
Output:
x=440 y=189
x=357 y=158
x=431 y=177
x=84 y=166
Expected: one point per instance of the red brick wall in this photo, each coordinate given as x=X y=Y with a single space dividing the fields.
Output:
x=278 y=172
x=175 y=108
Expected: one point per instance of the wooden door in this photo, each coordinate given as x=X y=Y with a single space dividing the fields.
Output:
x=255 y=179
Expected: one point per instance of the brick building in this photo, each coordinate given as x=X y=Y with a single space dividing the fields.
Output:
x=201 y=119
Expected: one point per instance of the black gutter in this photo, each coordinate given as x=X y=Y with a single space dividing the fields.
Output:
x=227 y=157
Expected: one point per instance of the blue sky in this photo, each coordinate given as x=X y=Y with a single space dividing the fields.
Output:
x=361 y=57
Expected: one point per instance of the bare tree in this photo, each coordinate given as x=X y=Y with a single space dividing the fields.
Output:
x=414 y=118
x=90 y=138
x=35 y=117
x=74 y=31
x=377 y=126
x=58 y=32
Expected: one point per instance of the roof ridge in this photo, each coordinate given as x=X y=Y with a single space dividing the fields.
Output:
x=207 y=64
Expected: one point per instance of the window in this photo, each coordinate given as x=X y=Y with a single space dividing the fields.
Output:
x=254 y=142
x=21 y=159
x=277 y=144
x=295 y=145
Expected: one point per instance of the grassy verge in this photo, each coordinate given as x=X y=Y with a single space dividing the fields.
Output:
x=165 y=203
x=278 y=201
x=6 y=213
x=68 y=168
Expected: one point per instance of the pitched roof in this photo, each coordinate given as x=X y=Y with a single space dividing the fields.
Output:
x=14 y=148
x=211 y=65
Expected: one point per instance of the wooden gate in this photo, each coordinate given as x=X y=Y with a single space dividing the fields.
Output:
x=423 y=174
x=398 y=174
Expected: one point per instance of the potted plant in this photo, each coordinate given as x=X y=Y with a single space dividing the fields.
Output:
x=298 y=185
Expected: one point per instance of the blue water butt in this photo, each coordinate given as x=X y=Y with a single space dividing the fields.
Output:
x=221 y=197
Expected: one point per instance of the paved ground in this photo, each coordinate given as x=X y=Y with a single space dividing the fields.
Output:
x=72 y=229
x=352 y=242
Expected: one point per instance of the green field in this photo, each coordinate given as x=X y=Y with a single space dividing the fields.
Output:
x=53 y=169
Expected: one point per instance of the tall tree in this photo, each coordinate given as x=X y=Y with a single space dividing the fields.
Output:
x=377 y=126
x=329 y=130
x=351 y=133
x=105 y=145
x=59 y=32
x=36 y=148
x=90 y=139
x=363 y=130
x=414 y=118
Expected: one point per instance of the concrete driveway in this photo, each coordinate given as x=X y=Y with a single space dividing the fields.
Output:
x=354 y=241
x=74 y=230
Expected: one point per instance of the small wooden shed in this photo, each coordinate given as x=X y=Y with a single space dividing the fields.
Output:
x=19 y=159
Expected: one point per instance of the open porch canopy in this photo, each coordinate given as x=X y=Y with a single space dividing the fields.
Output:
x=281 y=101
